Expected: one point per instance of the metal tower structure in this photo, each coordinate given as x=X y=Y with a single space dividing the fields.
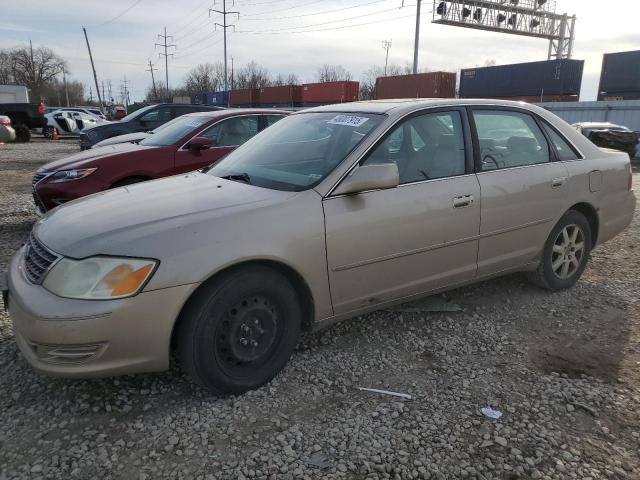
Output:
x=529 y=18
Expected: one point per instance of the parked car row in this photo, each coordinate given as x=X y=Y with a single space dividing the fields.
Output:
x=329 y=213
x=187 y=143
x=610 y=135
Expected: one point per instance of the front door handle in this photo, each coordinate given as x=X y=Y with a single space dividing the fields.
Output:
x=462 y=201
x=558 y=182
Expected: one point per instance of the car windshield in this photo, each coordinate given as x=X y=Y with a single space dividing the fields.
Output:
x=137 y=113
x=178 y=128
x=299 y=151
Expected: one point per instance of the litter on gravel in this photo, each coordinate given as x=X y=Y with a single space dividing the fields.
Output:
x=385 y=392
x=491 y=413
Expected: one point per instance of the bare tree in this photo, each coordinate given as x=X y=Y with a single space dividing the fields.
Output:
x=332 y=73
x=368 y=80
x=252 y=76
x=6 y=68
x=280 y=80
x=35 y=69
x=205 y=77
x=53 y=93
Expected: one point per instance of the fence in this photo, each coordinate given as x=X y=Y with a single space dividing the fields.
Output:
x=624 y=112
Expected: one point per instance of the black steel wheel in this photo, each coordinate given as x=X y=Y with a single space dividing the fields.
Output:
x=238 y=332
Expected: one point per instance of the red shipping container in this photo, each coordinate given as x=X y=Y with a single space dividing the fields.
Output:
x=286 y=94
x=246 y=96
x=420 y=85
x=330 y=92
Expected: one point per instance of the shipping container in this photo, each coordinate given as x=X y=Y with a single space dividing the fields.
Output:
x=198 y=99
x=553 y=77
x=421 y=85
x=286 y=95
x=246 y=97
x=220 y=99
x=181 y=99
x=330 y=92
x=14 y=94
x=620 y=76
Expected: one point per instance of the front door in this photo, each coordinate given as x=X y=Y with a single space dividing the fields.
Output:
x=226 y=135
x=385 y=245
x=523 y=189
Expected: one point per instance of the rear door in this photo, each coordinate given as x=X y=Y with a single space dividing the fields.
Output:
x=227 y=135
x=153 y=118
x=384 y=245
x=523 y=189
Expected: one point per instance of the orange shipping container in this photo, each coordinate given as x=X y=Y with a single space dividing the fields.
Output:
x=421 y=85
x=286 y=94
x=245 y=97
x=330 y=92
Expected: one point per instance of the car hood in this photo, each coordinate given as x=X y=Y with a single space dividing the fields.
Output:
x=86 y=157
x=129 y=137
x=147 y=217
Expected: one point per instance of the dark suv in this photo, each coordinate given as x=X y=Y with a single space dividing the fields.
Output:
x=142 y=120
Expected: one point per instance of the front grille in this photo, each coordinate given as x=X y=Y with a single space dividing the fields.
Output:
x=37 y=260
x=38 y=202
x=37 y=177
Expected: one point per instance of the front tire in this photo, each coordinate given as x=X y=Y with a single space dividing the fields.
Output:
x=566 y=253
x=239 y=331
x=23 y=134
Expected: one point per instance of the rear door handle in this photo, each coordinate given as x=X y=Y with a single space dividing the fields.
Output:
x=462 y=201
x=558 y=182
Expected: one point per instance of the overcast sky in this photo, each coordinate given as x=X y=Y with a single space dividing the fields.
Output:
x=277 y=34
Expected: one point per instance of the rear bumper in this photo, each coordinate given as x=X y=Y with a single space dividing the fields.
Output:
x=82 y=338
x=624 y=211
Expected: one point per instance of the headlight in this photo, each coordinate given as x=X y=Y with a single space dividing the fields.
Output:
x=69 y=175
x=99 y=278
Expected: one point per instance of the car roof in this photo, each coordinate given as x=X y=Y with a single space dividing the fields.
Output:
x=599 y=125
x=407 y=105
x=229 y=112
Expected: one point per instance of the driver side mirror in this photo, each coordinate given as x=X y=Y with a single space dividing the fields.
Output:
x=200 y=143
x=370 y=177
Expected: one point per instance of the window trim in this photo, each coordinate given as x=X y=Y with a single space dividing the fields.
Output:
x=466 y=132
x=476 y=138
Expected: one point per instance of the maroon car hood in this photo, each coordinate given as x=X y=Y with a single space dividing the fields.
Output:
x=87 y=157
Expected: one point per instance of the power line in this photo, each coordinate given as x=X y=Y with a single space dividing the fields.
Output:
x=119 y=15
x=316 y=13
x=325 y=23
x=284 y=9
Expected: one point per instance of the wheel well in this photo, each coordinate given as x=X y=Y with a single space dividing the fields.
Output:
x=302 y=289
x=592 y=217
x=142 y=178
x=18 y=118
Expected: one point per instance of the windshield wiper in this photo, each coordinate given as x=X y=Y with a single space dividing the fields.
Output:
x=243 y=177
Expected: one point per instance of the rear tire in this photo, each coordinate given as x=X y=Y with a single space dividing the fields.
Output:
x=23 y=134
x=239 y=331
x=566 y=253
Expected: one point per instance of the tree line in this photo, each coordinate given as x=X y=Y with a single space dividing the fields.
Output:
x=42 y=72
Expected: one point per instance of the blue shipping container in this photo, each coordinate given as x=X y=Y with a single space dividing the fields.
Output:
x=220 y=99
x=554 y=77
x=620 y=75
x=197 y=99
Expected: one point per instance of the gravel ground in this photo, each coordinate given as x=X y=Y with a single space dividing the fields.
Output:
x=563 y=368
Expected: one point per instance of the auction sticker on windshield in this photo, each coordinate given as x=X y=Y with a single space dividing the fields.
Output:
x=349 y=120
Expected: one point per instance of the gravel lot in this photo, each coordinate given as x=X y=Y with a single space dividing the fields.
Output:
x=563 y=368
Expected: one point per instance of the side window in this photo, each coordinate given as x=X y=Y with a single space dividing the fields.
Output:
x=424 y=147
x=271 y=119
x=179 y=111
x=159 y=115
x=561 y=146
x=509 y=139
x=232 y=132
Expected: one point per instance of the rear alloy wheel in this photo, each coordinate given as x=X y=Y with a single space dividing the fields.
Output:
x=239 y=332
x=565 y=254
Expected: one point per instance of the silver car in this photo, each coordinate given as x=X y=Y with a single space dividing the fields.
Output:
x=330 y=213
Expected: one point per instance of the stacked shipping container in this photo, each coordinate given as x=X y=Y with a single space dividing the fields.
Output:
x=329 y=92
x=283 y=96
x=540 y=81
x=421 y=85
x=620 y=76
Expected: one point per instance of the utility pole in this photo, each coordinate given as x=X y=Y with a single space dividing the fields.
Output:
x=417 y=40
x=64 y=81
x=93 y=67
x=153 y=80
x=166 y=55
x=386 y=44
x=109 y=91
x=125 y=92
x=224 y=12
x=105 y=98
x=90 y=95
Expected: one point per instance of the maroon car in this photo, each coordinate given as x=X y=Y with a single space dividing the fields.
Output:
x=188 y=143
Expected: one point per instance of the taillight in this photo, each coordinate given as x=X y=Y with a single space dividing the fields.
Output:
x=6 y=122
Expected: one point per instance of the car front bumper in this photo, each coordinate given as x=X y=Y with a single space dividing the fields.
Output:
x=87 y=338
